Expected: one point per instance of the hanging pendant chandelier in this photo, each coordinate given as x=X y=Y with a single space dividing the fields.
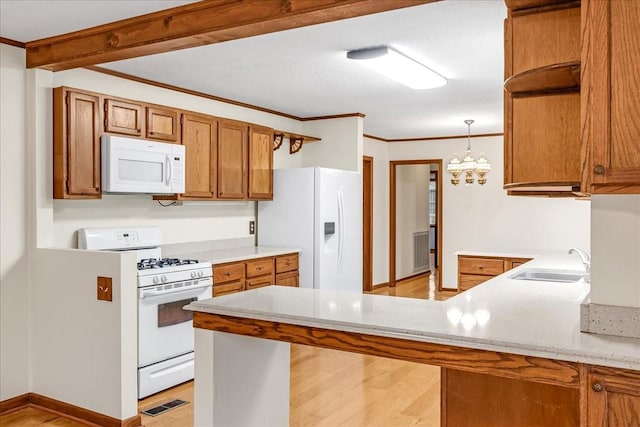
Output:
x=468 y=165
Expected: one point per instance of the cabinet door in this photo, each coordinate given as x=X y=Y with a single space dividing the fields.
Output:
x=290 y=278
x=232 y=160
x=200 y=138
x=611 y=96
x=123 y=117
x=76 y=146
x=162 y=124
x=613 y=398
x=260 y=163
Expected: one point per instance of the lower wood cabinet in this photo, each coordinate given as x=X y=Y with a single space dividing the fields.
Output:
x=613 y=397
x=473 y=270
x=600 y=397
x=255 y=273
x=287 y=270
x=472 y=400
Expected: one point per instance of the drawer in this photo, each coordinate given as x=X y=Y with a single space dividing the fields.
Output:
x=228 y=272
x=517 y=262
x=258 y=282
x=287 y=279
x=228 y=288
x=259 y=267
x=468 y=281
x=286 y=263
x=484 y=266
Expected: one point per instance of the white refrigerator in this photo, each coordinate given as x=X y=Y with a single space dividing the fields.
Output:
x=318 y=211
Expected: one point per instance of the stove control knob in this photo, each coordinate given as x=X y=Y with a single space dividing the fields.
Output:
x=163 y=278
x=193 y=274
x=199 y=273
x=156 y=280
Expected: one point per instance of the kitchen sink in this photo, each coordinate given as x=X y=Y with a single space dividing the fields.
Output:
x=541 y=275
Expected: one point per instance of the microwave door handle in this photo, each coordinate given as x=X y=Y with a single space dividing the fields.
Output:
x=169 y=169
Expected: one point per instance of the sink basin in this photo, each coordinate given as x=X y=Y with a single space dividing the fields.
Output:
x=541 y=275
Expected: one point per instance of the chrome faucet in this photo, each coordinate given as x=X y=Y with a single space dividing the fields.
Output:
x=585 y=257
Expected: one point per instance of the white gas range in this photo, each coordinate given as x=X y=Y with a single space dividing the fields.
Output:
x=165 y=285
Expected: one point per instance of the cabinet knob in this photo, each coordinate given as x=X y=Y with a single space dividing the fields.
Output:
x=599 y=169
x=597 y=387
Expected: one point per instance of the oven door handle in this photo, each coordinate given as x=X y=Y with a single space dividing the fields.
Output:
x=156 y=293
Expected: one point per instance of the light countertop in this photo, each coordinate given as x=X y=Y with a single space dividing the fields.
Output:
x=514 y=316
x=220 y=256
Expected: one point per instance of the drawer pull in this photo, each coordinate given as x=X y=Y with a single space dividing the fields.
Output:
x=597 y=387
x=259 y=268
x=599 y=169
x=228 y=273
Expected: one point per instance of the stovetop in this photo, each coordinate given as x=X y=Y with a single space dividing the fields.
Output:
x=149 y=263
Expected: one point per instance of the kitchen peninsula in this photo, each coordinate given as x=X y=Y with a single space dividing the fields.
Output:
x=511 y=350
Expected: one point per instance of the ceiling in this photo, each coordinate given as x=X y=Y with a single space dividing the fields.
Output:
x=305 y=73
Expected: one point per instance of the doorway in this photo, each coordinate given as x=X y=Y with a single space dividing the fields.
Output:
x=367 y=223
x=431 y=221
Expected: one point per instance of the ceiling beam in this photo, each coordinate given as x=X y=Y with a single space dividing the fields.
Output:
x=195 y=24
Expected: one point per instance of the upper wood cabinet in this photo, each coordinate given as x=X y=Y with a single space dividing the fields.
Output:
x=232 y=159
x=542 y=100
x=200 y=138
x=162 y=124
x=611 y=97
x=260 y=163
x=123 y=117
x=76 y=144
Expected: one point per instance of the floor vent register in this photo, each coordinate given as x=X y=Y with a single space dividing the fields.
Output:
x=161 y=409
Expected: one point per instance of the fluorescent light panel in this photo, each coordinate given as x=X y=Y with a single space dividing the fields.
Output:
x=397 y=66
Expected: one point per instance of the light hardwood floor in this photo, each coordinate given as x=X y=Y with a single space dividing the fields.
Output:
x=328 y=388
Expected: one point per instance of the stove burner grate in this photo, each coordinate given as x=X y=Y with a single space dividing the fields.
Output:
x=149 y=263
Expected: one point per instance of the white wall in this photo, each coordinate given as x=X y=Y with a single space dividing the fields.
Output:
x=283 y=160
x=484 y=217
x=14 y=264
x=85 y=350
x=615 y=242
x=412 y=213
x=341 y=144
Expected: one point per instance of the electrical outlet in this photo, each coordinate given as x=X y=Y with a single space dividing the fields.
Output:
x=252 y=227
x=105 y=289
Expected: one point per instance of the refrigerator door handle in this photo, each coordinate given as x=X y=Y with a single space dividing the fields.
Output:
x=340 y=231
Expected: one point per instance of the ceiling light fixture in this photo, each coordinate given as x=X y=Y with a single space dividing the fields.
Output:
x=398 y=66
x=468 y=165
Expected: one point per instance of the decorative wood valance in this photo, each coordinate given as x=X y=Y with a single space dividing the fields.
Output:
x=295 y=140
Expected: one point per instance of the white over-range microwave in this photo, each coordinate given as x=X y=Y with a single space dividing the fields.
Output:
x=140 y=166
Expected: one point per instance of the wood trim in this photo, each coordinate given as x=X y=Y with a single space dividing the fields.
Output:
x=413 y=277
x=334 y=116
x=392 y=217
x=11 y=42
x=380 y=285
x=431 y=138
x=188 y=91
x=66 y=410
x=367 y=223
x=14 y=403
x=392 y=224
x=192 y=25
x=529 y=368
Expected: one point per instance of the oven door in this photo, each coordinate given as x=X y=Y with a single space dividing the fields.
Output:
x=164 y=328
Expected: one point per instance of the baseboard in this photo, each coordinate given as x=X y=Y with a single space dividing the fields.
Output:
x=66 y=410
x=14 y=403
x=413 y=277
x=380 y=285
